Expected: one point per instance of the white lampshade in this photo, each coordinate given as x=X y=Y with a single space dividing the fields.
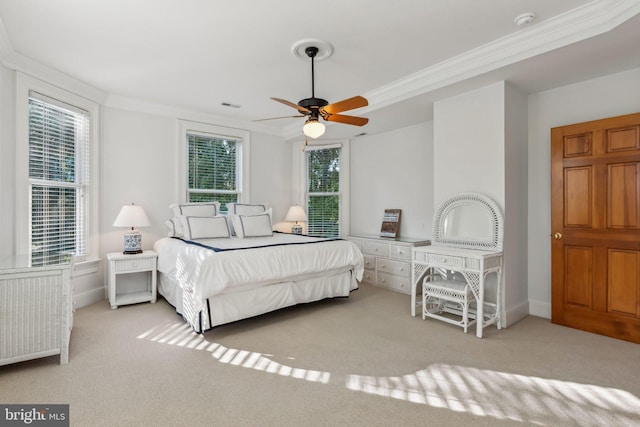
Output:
x=132 y=216
x=296 y=213
x=313 y=128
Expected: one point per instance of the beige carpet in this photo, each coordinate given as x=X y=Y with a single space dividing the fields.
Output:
x=357 y=361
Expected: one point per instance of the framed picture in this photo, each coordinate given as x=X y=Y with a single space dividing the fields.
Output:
x=391 y=223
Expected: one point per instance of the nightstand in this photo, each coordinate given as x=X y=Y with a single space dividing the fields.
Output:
x=133 y=291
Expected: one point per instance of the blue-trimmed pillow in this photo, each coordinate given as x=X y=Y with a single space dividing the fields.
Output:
x=258 y=225
x=175 y=227
x=246 y=208
x=196 y=209
x=205 y=227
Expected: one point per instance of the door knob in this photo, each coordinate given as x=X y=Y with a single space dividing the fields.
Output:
x=557 y=236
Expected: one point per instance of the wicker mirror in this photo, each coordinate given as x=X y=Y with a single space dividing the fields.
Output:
x=468 y=220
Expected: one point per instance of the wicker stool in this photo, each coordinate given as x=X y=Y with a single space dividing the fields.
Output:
x=442 y=298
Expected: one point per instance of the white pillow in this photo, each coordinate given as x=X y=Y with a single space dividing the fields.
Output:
x=205 y=227
x=246 y=208
x=175 y=227
x=196 y=209
x=252 y=225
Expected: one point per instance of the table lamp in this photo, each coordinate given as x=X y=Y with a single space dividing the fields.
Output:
x=132 y=216
x=296 y=213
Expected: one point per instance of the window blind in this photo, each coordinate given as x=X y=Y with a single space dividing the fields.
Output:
x=58 y=171
x=323 y=191
x=213 y=169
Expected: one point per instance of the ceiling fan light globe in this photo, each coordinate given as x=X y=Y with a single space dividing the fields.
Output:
x=313 y=129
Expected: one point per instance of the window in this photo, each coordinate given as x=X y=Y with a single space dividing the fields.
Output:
x=324 y=190
x=56 y=211
x=213 y=169
x=216 y=164
x=58 y=144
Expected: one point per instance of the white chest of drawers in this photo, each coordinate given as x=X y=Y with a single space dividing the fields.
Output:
x=387 y=262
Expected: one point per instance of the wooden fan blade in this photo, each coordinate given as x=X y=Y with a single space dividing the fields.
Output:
x=276 y=118
x=292 y=105
x=347 y=104
x=349 y=120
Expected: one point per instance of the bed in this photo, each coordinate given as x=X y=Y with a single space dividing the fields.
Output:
x=213 y=281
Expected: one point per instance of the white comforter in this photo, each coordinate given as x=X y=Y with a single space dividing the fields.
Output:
x=206 y=273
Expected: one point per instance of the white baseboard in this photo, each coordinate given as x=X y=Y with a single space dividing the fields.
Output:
x=516 y=313
x=540 y=309
x=83 y=299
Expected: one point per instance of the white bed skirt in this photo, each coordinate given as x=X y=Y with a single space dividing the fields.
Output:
x=231 y=307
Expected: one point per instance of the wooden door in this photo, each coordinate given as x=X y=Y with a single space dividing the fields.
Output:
x=595 y=226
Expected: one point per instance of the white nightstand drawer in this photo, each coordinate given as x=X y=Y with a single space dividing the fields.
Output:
x=394 y=267
x=376 y=248
x=135 y=264
x=125 y=274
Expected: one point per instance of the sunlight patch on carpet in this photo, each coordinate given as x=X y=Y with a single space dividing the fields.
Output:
x=179 y=334
x=506 y=396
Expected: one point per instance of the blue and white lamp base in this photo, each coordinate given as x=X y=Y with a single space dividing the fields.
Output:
x=133 y=242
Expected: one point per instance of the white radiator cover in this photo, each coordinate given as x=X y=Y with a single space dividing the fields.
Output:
x=35 y=313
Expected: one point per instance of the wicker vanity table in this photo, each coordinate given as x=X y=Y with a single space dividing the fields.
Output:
x=466 y=247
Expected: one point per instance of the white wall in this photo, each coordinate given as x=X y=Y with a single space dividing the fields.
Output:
x=468 y=149
x=516 y=299
x=608 y=96
x=393 y=170
x=139 y=163
x=480 y=146
x=271 y=173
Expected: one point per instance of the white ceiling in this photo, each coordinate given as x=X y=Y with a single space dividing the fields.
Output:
x=193 y=55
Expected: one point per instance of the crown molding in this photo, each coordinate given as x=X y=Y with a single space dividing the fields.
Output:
x=589 y=20
x=592 y=19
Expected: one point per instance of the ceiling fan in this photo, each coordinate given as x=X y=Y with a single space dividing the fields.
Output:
x=318 y=107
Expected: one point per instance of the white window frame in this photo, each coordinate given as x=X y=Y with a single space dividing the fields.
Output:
x=242 y=137
x=24 y=86
x=300 y=174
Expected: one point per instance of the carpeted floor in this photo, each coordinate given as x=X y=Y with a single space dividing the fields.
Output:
x=346 y=362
